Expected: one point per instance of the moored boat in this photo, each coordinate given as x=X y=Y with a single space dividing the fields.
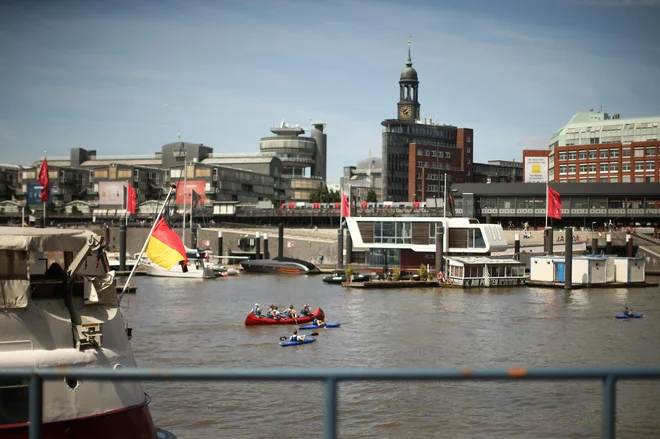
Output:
x=253 y=320
x=60 y=309
x=280 y=265
x=337 y=277
x=199 y=271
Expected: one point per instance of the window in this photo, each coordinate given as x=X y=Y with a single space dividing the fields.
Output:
x=420 y=152
x=614 y=153
x=562 y=169
x=441 y=154
x=614 y=167
x=639 y=179
x=393 y=232
x=604 y=180
x=432 y=232
x=592 y=153
x=592 y=167
x=426 y=164
x=571 y=169
x=625 y=166
x=639 y=166
x=626 y=179
x=583 y=154
x=639 y=152
x=447 y=154
x=427 y=153
x=650 y=179
x=583 y=168
x=603 y=154
x=419 y=164
x=650 y=151
x=650 y=166
x=614 y=179
x=572 y=155
x=562 y=156
x=626 y=152
x=434 y=153
x=603 y=167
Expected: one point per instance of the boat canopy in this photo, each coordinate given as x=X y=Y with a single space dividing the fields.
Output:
x=16 y=244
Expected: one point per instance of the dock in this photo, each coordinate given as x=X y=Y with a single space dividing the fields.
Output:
x=392 y=284
x=601 y=286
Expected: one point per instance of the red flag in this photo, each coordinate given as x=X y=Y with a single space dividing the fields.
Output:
x=345 y=208
x=554 y=203
x=131 y=201
x=44 y=181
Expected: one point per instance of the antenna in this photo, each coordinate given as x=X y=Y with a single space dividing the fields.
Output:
x=436 y=117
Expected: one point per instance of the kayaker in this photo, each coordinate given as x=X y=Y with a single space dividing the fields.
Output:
x=256 y=310
x=631 y=313
x=296 y=337
x=626 y=311
x=291 y=313
x=318 y=322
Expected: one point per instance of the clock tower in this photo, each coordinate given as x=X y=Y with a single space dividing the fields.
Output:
x=408 y=106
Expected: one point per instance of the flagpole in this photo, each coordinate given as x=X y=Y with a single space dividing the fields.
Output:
x=126 y=204
x=146 y=242
x=45 y=155
x=185 y=180
x=546 y=203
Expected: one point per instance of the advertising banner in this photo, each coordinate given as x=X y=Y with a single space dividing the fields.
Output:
x=536 y=170
x=198 y=186
x=34 y=193
x=111 y=193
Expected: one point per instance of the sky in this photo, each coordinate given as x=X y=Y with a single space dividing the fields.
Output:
x=125 y=77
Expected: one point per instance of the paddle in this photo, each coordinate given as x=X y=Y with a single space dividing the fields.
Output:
x=284 y=338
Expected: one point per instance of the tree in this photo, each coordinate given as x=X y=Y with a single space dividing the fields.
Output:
x=50 y=207
x=371 y=196
x=75 y=210
x=423 y=273
x=349 y=273
x=396 y=273
x=323 y=195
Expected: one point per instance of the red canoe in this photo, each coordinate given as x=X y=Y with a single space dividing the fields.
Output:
x=252 y=320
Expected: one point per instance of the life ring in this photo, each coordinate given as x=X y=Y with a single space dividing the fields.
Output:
x=441 y=277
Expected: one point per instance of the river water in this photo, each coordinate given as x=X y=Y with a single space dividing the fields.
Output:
x=189 y=323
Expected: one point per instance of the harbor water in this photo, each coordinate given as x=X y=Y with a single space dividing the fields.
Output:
x=189 y=323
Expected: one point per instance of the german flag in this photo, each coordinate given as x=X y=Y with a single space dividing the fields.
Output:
x=165 y=247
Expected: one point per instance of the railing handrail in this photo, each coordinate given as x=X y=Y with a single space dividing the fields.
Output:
x=331 y=377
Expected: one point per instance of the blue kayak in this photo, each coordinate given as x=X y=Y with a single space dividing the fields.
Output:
x=327 y=325
x=295 y=343
x=634 y=316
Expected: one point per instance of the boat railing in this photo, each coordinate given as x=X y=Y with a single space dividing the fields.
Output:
x=331 y=377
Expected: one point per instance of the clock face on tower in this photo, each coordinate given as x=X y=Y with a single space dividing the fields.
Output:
x=405 y=112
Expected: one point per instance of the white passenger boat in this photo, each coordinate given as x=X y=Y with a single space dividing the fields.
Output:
x=58 y=308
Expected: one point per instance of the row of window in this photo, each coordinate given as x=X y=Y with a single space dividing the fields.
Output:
x=606 y=167
x=432 y=153
x=624 y=179
x=433 y=165
x=604 y=153
x=538 y=203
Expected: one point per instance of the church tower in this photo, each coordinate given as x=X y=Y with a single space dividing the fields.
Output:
x=408 y=106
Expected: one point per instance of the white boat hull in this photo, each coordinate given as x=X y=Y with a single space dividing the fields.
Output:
x=176 y=271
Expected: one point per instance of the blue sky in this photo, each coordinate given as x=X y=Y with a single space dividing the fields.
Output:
x=124 y=77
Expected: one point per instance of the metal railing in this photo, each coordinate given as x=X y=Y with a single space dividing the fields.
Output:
x=331 y=378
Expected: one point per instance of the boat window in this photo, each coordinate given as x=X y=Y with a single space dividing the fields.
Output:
x=13 y=401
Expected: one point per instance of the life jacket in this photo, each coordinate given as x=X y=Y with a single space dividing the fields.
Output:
x=256 y=311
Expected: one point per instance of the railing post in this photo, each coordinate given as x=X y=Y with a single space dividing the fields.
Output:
x=609 y=407
x=330 y=421
x=35 y=414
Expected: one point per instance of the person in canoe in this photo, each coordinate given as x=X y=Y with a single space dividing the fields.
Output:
x=291 y=313
x=318 y=322
x=271 y=312
x=257 y=310
x=306 y=311
x=296 y=337
x=276 y=312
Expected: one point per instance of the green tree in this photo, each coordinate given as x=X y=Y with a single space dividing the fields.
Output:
x=371 y=196
x=349 y=273
x=396 y=273
x=50 y=207
x=75 y=210
x=423 y=273
x=274 y=201
x=323 y=195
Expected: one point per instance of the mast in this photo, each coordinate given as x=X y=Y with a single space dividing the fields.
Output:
x=185 y=180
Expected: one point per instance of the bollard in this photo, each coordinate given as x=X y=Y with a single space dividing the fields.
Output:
x=594 y=246
x=516 y=247
x=340 y=248
x=608 y=244
x=122 y=247
x=257 y=243
x=266 y=252
x=568 y=259
x=220 y=249
x=629 y=246
x=547 y=241
x=349 y=248
x=439 y=250
x=280 y=241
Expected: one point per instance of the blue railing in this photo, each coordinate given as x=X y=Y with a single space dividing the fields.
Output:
x=331 y=377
